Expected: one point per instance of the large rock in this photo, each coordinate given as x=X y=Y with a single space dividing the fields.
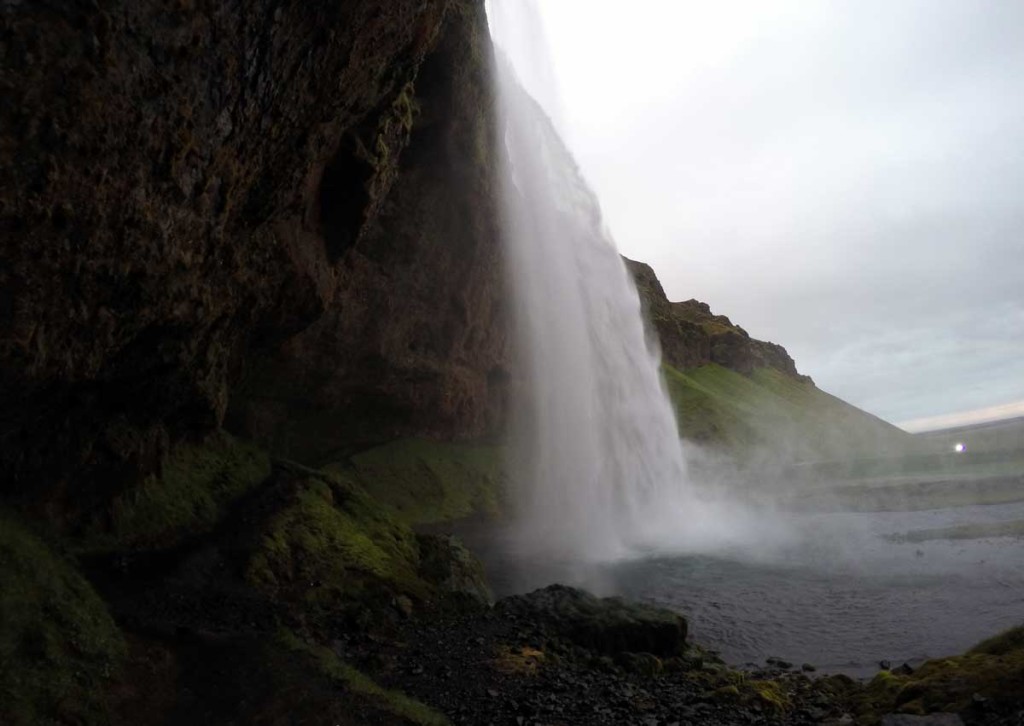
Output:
x=606 y=625
x=185 y=187
x=413 y=340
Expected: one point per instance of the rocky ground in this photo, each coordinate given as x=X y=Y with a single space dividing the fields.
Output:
x=540 y=660
x=240 y=590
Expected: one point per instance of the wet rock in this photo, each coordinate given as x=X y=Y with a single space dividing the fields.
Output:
x=606 y=625
x=643 y=664
x=446 y=562
x=932 y=719
x=162 y=192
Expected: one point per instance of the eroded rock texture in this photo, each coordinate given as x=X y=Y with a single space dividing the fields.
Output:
x=691 y=336
x=186 y=186
x=413 y=339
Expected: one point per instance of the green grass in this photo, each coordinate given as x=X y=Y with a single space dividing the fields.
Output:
x=993 y=669
x=424 y=482
x=333 y=544
x=59 y=647
x=1009 y=641
x=186 y=498
x=772 y=412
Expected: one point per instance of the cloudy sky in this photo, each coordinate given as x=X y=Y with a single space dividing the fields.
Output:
x=844 y=177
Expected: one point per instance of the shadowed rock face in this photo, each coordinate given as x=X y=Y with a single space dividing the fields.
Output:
x=691 y=336
x=607 y=625
x=413 y=339
x=185 y=188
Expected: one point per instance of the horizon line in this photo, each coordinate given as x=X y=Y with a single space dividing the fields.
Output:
x=985 y=414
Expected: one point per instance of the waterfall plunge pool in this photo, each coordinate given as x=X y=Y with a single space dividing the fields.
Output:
x=842 y=596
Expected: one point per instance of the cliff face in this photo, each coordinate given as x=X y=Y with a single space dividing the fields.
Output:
x=745 y=397
x=413 y=339
x=191 y=195
x=691 y=336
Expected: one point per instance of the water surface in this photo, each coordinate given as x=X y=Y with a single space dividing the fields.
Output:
x=840 y=595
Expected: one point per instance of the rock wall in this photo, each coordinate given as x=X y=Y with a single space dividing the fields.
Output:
x=185 y=187
x=413 y=340
x=691 y=336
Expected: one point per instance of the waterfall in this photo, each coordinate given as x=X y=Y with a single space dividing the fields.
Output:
x=596 y=459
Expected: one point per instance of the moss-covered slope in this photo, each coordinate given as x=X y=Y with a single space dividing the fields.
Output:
x=989 y=675
x=771 y=414
x=59 y=647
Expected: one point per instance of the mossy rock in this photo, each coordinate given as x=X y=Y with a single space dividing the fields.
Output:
x=447 y=564
x=331 y=544
x=187 y=498
x=994 y=669
x=604 y=625
x=770 y=694
x=425 y=481
x=735 y=687
x=643 y=664
x=59 y=647
x=1005 y=643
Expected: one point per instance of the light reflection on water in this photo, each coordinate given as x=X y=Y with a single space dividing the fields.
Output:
x=843 y=599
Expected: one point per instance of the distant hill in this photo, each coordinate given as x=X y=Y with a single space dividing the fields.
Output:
x=993 y=436
x=746 y=397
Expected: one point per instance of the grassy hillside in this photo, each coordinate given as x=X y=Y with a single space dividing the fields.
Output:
x=771 y=413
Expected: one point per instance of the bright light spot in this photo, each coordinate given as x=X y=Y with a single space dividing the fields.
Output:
x=959 y=448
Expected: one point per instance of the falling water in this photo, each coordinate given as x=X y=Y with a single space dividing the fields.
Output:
x=597 y=458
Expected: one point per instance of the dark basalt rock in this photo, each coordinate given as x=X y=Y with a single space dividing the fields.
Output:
x=690 y=335
x=186 y=187
x=605 y=625
x=445 y=561
x=413 y=339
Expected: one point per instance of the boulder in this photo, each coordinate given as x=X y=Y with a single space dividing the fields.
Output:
x=605 y=625
x=448 y=565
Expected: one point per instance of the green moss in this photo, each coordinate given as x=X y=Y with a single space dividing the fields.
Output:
x=770 y=412
x=731 y=686
x=331 y=542
x=59 y=646
x=993 y=669
x=429 y=481
x=1005 y=643
x=728 y=694
x=353 y=680
x=770 y=694
x=195 y=483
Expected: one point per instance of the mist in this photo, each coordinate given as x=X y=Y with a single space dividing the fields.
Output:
x=834 y=516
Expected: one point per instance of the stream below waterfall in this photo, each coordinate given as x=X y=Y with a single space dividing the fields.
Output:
x=842 y=598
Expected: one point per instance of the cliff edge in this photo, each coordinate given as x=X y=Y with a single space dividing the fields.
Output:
x=692 y=336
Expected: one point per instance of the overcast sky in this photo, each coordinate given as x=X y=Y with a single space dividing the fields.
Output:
x=843 y=177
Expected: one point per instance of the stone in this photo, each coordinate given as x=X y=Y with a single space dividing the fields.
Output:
x=445 y=562
x=605 y=625
x=932 y=719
